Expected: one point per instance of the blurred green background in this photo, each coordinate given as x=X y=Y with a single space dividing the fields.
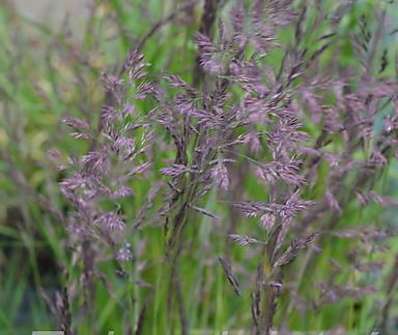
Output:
x=50 y=66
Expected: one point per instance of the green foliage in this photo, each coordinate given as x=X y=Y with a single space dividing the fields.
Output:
x=46 y=74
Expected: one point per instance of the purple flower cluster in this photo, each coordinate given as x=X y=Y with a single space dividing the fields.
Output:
x=306 y=133
x=116 y=154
